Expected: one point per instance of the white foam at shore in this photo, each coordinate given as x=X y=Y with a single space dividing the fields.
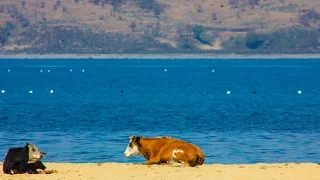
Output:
x=160 y=56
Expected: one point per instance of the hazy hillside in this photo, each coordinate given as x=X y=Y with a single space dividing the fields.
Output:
x=160 y=26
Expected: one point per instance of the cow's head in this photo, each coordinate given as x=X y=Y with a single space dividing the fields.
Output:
x=133 y=146
x=34 y=154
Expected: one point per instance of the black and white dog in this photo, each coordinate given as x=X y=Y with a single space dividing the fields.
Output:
x=23 y=160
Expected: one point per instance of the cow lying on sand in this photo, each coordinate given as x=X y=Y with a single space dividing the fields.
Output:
x=24 y=160
x=165 y=150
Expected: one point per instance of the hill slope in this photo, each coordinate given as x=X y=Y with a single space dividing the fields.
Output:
x=160 y=26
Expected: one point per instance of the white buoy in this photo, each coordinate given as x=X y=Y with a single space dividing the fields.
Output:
x=165 y=70
x=30 y=92
x=82 y=70
x=228 y=92
x=3 y=91
x=8 y=70
x=212 y=70
x=299 y=92
x=49 y=70
x=51 y=91
x=40 y=70
x=70 y=70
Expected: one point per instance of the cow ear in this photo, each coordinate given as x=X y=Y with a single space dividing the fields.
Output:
x=138 y=138
x=27 y=146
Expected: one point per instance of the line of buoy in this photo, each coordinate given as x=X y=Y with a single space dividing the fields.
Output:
x=50 y=70
x=51 y=91
x=165 y=70
x=30 y=92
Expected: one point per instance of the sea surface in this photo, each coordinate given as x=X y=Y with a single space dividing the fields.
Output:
x=95 y=105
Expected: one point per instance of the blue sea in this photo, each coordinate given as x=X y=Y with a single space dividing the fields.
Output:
x=85 y=110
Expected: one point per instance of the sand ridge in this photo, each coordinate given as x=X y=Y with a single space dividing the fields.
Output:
x=121 y=171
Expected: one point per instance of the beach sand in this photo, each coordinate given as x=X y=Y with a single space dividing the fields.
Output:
x=84 y=171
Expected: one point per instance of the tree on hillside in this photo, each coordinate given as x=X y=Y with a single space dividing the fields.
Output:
x=57 y=4
x=201 y=34
x=23 y=3
x=157 y=9
x=153 y=5
x=254 y=40
x=64 y=9
x=197 y=30
x=253 y=3
x=234 y=3
x=146 y=4
x=43 y=4
x=214 y=16
x=205 y=38
x=310 y=16
x=1 y=9
x=133 y=25
x=6 y=31
x=24 y=21
x=114 y=3
x=199 y=8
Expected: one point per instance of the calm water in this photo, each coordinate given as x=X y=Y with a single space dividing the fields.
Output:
x=90 y=115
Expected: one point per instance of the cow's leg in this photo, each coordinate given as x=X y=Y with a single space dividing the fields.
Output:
x=7 y=168
x=153 y=161
x=178 y=158
x=31 y=168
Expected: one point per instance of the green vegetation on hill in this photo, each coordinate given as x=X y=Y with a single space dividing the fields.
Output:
x=288 y=40
x=159 y=26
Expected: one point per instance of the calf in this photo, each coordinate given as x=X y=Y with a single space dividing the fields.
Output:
x=165 y=150
x=23 y=160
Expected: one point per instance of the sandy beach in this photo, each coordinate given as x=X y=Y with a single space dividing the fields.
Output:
x=84 y=171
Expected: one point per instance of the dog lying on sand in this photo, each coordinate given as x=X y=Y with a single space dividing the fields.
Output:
x=25 y=159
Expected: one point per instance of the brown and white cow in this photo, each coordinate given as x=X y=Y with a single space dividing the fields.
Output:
x=165 y=150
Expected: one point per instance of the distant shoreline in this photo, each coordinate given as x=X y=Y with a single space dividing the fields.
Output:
x=160 y=56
